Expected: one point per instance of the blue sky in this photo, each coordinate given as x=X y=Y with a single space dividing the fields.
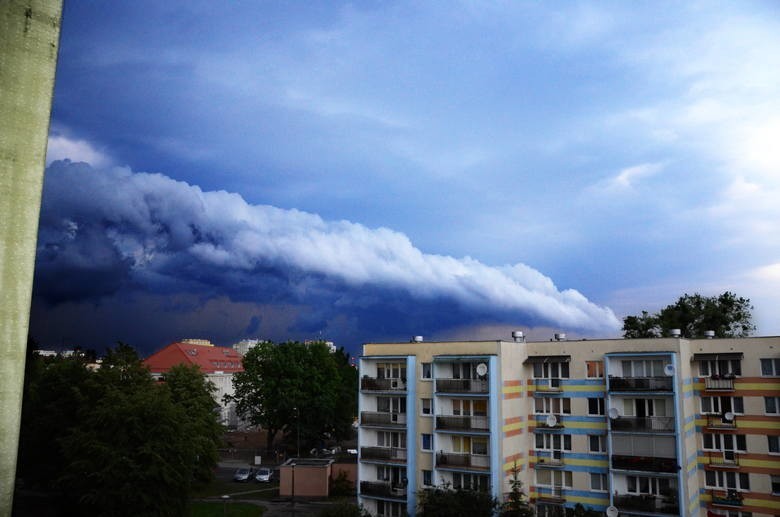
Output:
x=376 y=170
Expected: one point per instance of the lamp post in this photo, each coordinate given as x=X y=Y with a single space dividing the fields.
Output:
x=224 y=504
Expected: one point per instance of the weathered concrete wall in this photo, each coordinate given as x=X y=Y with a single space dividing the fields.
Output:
x=29 y=40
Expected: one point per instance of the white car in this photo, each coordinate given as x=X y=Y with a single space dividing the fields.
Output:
x=242 y=474
x=264 y=475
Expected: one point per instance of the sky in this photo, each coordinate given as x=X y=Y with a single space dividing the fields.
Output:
x=371 y=171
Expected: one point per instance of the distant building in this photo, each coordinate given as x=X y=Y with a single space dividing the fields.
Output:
x=245 y=345
x=218 y=363
x=331 y=346
x=637 y=427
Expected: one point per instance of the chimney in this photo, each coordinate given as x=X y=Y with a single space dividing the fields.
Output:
x=517 y=336
x=560 y=337
x=417 y=339
x=675 y=332
x=709 y=334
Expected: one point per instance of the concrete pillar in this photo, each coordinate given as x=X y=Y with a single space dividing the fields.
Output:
x=29 y=40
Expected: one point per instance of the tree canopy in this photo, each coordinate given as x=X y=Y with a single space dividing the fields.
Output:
x=297 y=389
x=727 y=315
x=442 y=501
x=124 y=444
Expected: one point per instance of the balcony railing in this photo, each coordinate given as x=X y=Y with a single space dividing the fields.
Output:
x=383 y=489
x=652 y=424
x=395 y=454
x=383 y=419
x=721 y=422
x=462 y=386
x=553 y=495
x=641 y=383
x=648 y=503
x=549 y=459
x=644 y=463
x=377 y=384
x=462 y=423
x=719 y=383
x=726 y=498
x=460 y=460
x=723 y=459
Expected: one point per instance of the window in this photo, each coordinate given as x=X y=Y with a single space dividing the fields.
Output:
x=596 y=406
x=597 y=443
x=772 y=405
x=426 y=406
x=643 y=368
x=427 y=442
x=390 y=509
x=426 y=371
x=391 y=370
x=553 y=370
x=648 y=485
x=598 y=482
x=391 y=439
x=427 y=478
x=724 y=442
x=553 y=442
x=721 y=405
x=774 y=444
x=727 y=480
x=469 y=407
x=713 y=367
x=553 y=478
x=552 y=406
x=594 y=369
x=775 y=485
x=480 y=483
x=391 y=404
x=770 y=367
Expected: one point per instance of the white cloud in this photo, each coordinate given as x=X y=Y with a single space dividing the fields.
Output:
x=61 y=147
x=161 y=220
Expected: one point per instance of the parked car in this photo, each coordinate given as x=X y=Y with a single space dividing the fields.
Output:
x=264 y=475
x=243 y=474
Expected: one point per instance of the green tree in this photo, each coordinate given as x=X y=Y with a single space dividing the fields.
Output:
x=516 y=504
x=445 y=502
x=115 y=442
x=290 y=388
x=727 y=315
x=191 y=391
x=346 y=409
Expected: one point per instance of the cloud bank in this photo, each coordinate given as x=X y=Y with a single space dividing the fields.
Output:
x=109 y=231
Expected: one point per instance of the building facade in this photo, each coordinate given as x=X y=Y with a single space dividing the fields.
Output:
x=217 y=363
x=651 y=427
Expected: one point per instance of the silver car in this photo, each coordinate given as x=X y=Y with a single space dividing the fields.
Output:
x=242 y=474
x=264 y=475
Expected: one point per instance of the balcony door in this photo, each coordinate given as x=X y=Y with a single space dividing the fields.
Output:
x=396 y=476
x=391 y=371
x=391 y=405
x=393 y=439
x=642 y=408
x=469 y=407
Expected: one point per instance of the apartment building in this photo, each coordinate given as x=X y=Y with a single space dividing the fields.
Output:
x=650 y=427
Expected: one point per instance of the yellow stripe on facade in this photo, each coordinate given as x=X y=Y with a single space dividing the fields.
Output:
x=520 y=462
x=762 y=503
x=512 y=389
x=587 y=500
x=513 y=426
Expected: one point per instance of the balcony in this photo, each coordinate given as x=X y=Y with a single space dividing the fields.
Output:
x=383 y=489
x=726 y=497
x=393 y=454
x=721 y=422
x=382 y=419
x=666 y=505
x=716 y=383
x=380 y=384
x=648 y=424
x=552 y=495
x=644 y=463
x=462 y=423
x=466 y=386
x=548 y=385
x=722 y=459
x=545 y=459
x=459 y=460
x=663 y=384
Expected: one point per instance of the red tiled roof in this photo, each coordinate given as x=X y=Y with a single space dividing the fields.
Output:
x=211 y=359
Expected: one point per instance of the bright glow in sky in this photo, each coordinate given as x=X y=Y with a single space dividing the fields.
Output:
x=379 y=170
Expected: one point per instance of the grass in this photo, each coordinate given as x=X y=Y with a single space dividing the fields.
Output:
x=218 y=509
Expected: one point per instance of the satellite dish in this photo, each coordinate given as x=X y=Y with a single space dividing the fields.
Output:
x=612 y=511
x=551 y=421
x=669 y=370
x=613 y=413
x=729 y=416
x=482 y=369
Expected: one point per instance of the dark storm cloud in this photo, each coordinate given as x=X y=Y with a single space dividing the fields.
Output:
x=106 y=231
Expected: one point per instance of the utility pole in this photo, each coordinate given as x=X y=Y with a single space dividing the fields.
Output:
x=29 y=41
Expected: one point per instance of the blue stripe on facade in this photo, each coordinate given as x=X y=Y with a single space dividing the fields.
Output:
x=411 y=434
x=496 y=461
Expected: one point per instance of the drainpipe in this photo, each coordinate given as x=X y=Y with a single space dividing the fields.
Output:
x=29 y=40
